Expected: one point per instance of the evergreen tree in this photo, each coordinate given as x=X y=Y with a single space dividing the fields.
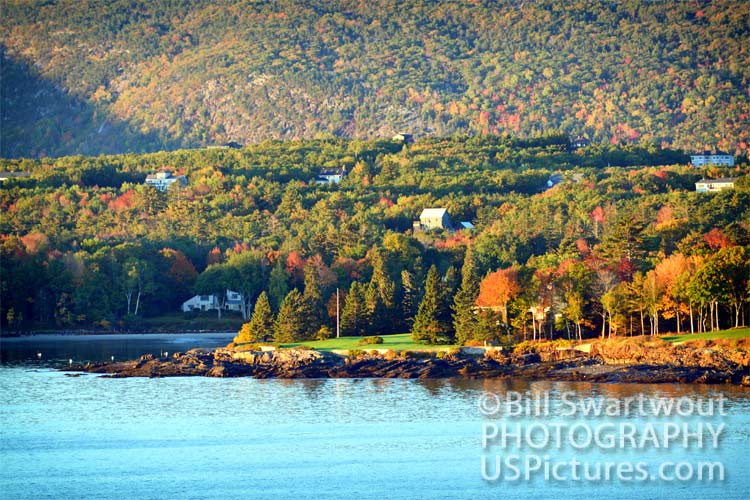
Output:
x=260 y=327
x=290 y=322
x=313 y=298
x=428 y=327
x=449 y=288
x=354 y=317
x=278 y=285
x=385 y=286
x=410 y=298
x=465 y=321
x=376 y=311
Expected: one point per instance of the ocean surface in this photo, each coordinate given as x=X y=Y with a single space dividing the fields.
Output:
x=71 y=437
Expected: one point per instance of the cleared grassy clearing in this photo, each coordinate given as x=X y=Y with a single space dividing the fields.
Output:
x=737 y=333
x=395 y=342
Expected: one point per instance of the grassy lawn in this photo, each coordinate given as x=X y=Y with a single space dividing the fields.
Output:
x=723 y=334
x=395 y=342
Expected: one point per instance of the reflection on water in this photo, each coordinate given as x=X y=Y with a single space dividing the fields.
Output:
x=46 y=350
x=94 y=437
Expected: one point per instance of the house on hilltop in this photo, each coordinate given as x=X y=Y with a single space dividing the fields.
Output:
x=433 y=218
x=331 y=175
x=161 y=181
x=707 y=158
x=714 y=185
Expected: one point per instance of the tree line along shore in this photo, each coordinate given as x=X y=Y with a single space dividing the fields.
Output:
x=562 y=242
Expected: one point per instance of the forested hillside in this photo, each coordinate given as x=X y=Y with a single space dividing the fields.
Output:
x=91 y=77
x=606 y=237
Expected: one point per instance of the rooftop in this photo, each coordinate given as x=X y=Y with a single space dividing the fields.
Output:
x=722 y=180
x=433 y=212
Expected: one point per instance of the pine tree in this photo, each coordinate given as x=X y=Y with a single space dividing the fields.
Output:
x=376 y=311
x=278 y=285
x=354 y=317
x=448 y=292
x=260 y=326
x=410 y=298
x=465 y=321
x=428 y=327
x=290 y=322
x=313 y=298
x=385 y=286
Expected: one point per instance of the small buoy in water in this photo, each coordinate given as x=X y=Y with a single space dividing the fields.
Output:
x=166 y=353
x=39 y=355
x=70 y=361
x=112 y=358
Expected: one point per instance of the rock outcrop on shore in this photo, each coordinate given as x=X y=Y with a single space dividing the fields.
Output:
x=632 y=362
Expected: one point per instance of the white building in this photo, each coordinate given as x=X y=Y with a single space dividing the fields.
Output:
x=232 y=302
x=331 y=175
x=162 y=180
x=200 y=303
x=433 y=218
x=713 y=185
x=719 y=159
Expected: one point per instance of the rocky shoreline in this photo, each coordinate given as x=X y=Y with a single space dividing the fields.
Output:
x=595 y=362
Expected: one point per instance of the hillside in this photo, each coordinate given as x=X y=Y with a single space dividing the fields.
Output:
x=95 y=77
x=600 y=237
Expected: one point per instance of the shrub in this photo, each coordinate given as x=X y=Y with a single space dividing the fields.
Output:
x=416 y=354
x=324 y=333
x=390 y=354
x=356 y=353
x=370 y=340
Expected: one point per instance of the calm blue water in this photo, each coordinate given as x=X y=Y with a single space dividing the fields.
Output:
x=90 y=437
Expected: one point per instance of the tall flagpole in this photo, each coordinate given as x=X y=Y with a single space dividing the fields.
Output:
x=338 y=327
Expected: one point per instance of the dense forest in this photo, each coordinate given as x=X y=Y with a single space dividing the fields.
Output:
x=566 y=243
x=103 y=77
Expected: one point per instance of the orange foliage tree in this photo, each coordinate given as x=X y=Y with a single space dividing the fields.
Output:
x=497 y=289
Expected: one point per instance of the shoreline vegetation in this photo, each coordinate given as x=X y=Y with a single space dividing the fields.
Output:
x=722 y=359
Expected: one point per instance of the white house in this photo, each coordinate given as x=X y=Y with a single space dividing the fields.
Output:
x=719 y=159
x=232 y=302
x=331 y=175
x=433 y=218
x=162 y=180
x=200 y=303
x=713 y=185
